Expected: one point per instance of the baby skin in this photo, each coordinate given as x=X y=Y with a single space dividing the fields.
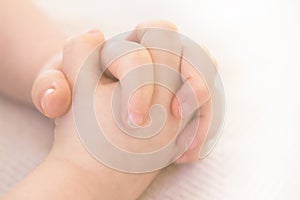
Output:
x=69 y=171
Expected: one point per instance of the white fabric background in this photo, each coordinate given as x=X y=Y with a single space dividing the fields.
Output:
x=257 y=46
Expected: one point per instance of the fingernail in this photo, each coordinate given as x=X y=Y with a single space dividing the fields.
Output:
x=136 y=118
x=45 y=97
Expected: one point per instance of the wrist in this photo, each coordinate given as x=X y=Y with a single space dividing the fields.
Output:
x=73 y=182
x=102 y=182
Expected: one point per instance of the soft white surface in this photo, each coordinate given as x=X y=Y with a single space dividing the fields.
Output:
x=257 y=46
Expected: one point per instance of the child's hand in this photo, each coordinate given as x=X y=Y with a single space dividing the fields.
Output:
x=52 y=89
x=183 y=104
x=68 y=148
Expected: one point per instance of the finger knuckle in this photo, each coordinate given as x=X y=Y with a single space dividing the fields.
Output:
x=83 y=39
x=164 y=24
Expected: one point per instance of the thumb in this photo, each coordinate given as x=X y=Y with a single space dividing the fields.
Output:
x=51 y=91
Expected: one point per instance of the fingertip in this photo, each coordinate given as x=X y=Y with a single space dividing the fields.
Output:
x=51 y=93
x=187 y=158
x=56 y=103
x=182 y=160
x=137 y=112
x=136 y=119
x=140 y=104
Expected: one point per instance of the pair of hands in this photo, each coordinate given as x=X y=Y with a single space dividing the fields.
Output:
x=52 y=93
